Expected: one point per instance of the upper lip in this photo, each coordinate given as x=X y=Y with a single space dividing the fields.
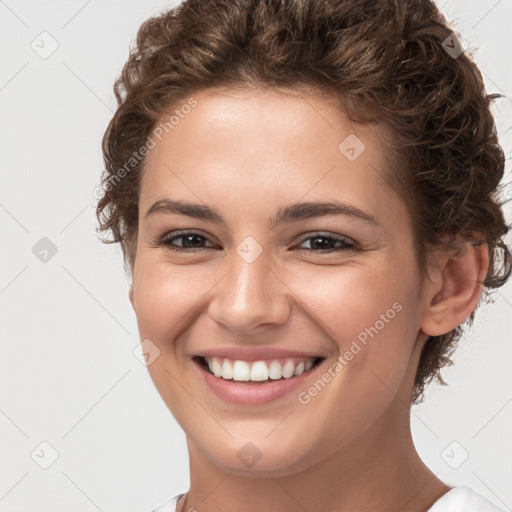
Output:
x=256 y=353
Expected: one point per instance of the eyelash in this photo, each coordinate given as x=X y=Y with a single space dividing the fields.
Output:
x=167 y=240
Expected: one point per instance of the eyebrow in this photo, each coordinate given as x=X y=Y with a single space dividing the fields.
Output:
x=290 y=213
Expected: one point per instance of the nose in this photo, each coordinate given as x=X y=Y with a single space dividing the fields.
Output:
x=251 y=295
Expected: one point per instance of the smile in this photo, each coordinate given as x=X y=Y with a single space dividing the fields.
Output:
x=256 y=382
x=258 y=371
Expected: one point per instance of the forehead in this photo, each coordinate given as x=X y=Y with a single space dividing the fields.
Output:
x=251 y=147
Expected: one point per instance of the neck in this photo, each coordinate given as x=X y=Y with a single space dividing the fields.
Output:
x=380 y=470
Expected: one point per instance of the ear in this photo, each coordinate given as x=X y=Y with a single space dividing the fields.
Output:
x=130 y=296
x=455 y=288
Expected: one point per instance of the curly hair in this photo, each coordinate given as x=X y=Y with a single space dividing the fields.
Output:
x=384 y=61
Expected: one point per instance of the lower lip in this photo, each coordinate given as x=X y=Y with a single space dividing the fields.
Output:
x=253 y=393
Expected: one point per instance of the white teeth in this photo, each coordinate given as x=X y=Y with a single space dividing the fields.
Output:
x=258 y=371
x=275 y=371
x=241 y=371
x=216 y=367
x=227 y=369
x=288 y=369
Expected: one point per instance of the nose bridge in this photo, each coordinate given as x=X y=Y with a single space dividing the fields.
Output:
x=251 y=294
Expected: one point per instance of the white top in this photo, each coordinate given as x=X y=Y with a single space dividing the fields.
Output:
x=458 y=499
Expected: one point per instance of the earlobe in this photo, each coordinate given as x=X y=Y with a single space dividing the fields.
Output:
x=457 y=289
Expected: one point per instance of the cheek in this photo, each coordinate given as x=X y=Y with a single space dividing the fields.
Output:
x=345 y=303
x=351 y=300
x=368 y=313
x=163 y=296
x=369 y=316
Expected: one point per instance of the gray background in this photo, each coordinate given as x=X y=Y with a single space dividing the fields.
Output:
x=69 y=376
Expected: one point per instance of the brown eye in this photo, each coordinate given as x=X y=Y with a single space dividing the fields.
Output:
x=189 y=240
x=321 y=242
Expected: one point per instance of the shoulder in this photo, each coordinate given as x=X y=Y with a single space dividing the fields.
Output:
x=463 y=499
x=169 y=505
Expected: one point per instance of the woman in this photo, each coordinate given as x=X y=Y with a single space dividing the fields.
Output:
x=304 y=192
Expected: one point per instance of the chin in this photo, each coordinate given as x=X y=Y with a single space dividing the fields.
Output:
x=259 y=457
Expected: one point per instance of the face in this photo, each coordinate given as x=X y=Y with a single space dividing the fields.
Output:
x=316 y=305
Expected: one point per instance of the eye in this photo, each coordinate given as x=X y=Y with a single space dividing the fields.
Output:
x=189 y=241
x=321 y=242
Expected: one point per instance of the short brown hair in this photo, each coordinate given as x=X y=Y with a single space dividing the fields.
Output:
x=383 y=60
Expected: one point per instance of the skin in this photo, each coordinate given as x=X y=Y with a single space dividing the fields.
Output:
x=246 y=154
